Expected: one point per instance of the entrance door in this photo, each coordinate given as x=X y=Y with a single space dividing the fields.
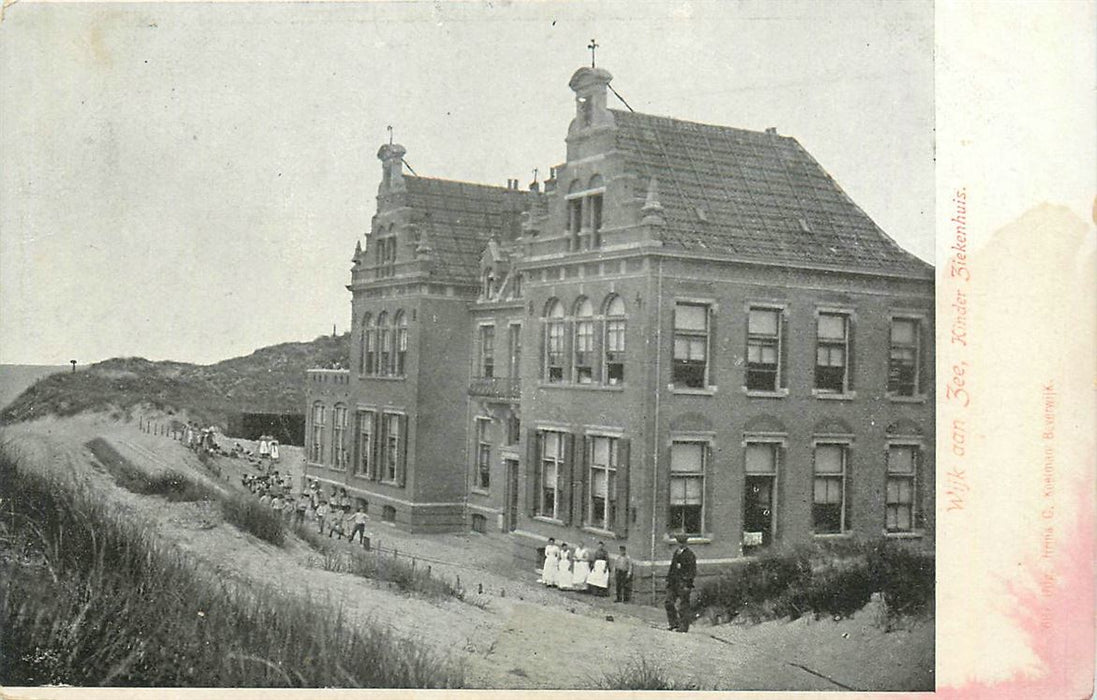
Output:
x=758 y=512
x=512 y=495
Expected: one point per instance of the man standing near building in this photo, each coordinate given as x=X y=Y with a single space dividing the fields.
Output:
x=622 y=576
x=683 y=567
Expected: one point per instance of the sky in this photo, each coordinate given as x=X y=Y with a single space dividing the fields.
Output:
x=188 y=181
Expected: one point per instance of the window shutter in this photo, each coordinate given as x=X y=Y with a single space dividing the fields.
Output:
x=847 y=492
x=620 y=525
x=851 y=365
x=569 y=350
x=918 y=522
x=598 y=352
x=582 y=483
x=921 y=350
x=784 y=341
x=402 y=459
x=778 y=495
x=710 y=351
x=379 y=446
x=532 y=456
x=564 y=480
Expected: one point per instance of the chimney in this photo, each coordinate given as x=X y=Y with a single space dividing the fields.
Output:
x=391 y=156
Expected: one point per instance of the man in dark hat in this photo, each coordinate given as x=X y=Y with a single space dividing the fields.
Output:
x=683 y=567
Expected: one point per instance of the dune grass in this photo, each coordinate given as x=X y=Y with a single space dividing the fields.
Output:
x=90 y=597
x=171 y=484
x=375 y=565
x=247 y=513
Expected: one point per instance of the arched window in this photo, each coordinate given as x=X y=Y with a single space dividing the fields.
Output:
x=384 y=342
x=554 y=342
x=613 y=344
x=365 y=362
x=583 y=342
x=401 y=343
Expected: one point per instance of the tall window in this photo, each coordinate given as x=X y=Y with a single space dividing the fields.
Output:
x=551 y=465
x=401 y=343
x=903 y=357
x=902 y=471
x=584 y=342
x=365 y=444
x=575 y=210
x=386 y=254
x=487 y=351
x=602 y=506
x=338 y=433
x=370 y=340
x=828 y=500
x=483 y=453
x=554 y=342
x=614 y=344
x=514 y=428
x=514 y=348
x=831 y=353
x=316 y=453
x=690 y=345
x=759 y=491
x=687 y=487
x=384 y=333
x=391 y=457
x=594 y=210
x=364 y=361
x=763 y=349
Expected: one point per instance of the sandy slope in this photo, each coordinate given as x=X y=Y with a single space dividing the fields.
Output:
x=526 y=636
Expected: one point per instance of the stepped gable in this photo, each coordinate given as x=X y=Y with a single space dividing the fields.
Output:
x=755 y=195
x=459 y=218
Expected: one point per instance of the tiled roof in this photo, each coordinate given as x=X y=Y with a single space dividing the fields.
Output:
x=459 y=218
x=754 y=195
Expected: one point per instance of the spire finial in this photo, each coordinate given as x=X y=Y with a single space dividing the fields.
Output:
x=389 y=129
x=593 y=45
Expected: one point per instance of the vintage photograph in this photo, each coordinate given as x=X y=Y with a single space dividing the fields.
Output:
x=566 y=346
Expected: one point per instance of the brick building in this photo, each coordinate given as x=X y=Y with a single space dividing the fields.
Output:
x=690 y=328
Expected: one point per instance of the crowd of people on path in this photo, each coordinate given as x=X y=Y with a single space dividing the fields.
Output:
x=581 y=569
x=331 y=515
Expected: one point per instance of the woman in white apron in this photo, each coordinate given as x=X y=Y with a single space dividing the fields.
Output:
x=563 y=569
x=599 y=572
x=552 y=563
x=581 y=569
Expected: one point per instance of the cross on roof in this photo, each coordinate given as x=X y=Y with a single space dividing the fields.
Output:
x=593 y=45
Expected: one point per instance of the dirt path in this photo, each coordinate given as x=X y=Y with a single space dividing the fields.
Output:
x=518 y=634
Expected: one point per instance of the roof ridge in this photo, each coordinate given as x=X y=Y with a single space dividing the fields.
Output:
x=707 y=125
x=500 y=188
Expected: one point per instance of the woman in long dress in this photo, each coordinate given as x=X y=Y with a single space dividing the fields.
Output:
x=599 y=572
x=552 y=563
x=581 y=569
x=563 y=569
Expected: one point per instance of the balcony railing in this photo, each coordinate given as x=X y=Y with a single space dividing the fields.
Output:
x=509 y=388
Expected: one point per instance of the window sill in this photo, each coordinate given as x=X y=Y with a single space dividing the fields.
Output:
x=479 y=491
x=608 y=534
x=917 y=398
x=832 y=535
x=758 y=394
x=387 y=482
x=546 y=519
x=832 y=396
x=582 y=387
x=384 y=378
x=693 y=539
x=690 y=391
x=912 y=535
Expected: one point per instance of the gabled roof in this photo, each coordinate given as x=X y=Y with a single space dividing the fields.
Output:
x=459 y=218
x=754 y=195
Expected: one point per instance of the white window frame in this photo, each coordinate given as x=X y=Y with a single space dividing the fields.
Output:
x=847 y=324
x=482 y=457
x=366 y=418
x=391 y=447
x=778 y=442
x=846 y=445
x=483 y=330
x=608 y=320
x=558 y=461
x=707 y=383
x=582 y=330
x=339 y=436
x=920 y=325
x=316 y=454
x=778 y=380
x=612 y=471
x=913 y=476
x=705 y=441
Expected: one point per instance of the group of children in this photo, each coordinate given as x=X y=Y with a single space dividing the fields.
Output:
x=332 y=515
x=582 y=570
